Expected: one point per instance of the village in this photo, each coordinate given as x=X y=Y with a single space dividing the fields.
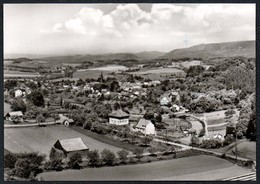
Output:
x=139 y=115
x=129 y=92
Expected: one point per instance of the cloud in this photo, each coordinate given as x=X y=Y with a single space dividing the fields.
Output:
x=164 y=26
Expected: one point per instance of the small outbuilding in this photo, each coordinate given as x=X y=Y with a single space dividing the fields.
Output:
x=11 y=115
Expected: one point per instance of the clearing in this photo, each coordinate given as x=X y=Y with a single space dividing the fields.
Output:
x=41 y=139
x=201 y=166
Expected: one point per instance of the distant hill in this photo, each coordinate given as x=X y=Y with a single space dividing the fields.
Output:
x=225 y=49
x=149 y=55
x=89 y=57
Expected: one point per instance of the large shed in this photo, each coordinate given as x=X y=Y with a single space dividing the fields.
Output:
x=68 y=146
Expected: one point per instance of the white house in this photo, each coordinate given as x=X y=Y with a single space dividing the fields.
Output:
x=165 y=101
x=64 y=120
x=18 y=93
x=145 y=126
x=118 y=117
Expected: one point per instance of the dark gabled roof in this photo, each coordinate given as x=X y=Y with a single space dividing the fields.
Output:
x=74 y=144
x=119 y=113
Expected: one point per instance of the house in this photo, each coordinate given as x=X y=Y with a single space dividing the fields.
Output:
x=118 y=117
x=18 y=93
x=165 y=101
x=10 y=115
x=64 y=120
x=145 y=126
x=175 y=108
x=68 y=146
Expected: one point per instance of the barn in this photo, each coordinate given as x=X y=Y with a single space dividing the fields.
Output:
x=69 y=146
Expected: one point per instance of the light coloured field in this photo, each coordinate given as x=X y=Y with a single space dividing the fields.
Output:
x=158 y=71
x=9 y=73
x=160 y=170
x=41 y=139
x=110 y=68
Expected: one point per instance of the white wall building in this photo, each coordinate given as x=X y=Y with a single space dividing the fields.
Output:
x=145 y=126
x=118 y=117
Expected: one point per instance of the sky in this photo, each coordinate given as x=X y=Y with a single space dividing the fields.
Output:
x=66 y=29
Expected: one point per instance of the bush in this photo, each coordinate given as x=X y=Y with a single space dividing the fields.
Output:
x=23 y=168
x=211 y=143
x=122 y=155
x=228 y=140
x=138 y=152
x=93 y=158
x=75 y=160
x=108 y=157
x=9 y=160
x=240 y=135
x=56 y=154
x=87 y=125
x=194 y=141
x=55 y=164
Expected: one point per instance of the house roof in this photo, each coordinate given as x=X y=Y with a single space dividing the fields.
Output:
x=15 y=113
x=118 y=113
x=74 y=144
x=142 y=123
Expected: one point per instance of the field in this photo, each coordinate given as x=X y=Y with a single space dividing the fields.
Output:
x=158 y=71
x=41 y=139
x=111 y=68
x=246 y=149
x=9 y=73
x=160 y=170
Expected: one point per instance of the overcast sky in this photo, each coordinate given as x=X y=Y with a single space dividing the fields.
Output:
x=102 y=28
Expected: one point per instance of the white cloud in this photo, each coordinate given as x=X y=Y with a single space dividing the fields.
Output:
x=128 y=26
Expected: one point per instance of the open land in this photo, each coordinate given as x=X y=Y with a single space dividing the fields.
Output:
x=41 y=139
x=167 y=170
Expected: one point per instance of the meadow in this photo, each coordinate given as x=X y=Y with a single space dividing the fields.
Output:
x=160 y=170
x=41 y=139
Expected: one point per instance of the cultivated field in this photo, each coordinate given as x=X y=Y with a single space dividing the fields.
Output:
x=161 y=170
x=158 y=71
x=111 y=68
x=41 y=139
x=9 y=73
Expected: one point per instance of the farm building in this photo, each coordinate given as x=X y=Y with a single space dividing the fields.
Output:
x=119 y=117
x=68 y=146
x=10 y=115
x=145 y=126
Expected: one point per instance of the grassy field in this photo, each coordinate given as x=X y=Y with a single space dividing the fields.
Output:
x=106 y=140
x=9 y=73
x=158 y=71
x=41 y=139
x=160 y=170
x=246 y=149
